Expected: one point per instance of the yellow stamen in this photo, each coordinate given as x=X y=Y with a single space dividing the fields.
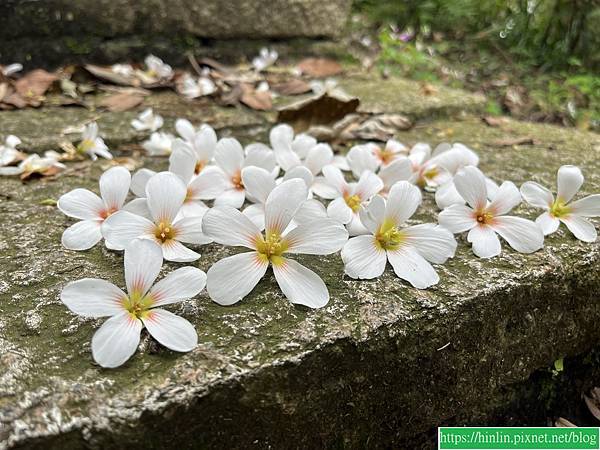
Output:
x=385 y=156
x=236 y=179
x=559 y=209
x=85 y=145
x=199 y=166
x=271 y=248
x=389 y=237
x=353 y=202
x=484 y=217
x=138 y=305
x=164 y=231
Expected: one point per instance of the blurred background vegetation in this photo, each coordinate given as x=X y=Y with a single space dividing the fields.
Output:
x=535 y=59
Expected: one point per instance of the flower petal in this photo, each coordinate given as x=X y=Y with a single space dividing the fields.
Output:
x=368 y=185
x=138 y=206
x=317 y=157
x=114 y=186
x=91 y=297
x=507 y=198
x=256 y=214
x=182 y=161
x=189 y=230
x=447 y=195
x=185 y=129
x=457 y=218
x=231 y=279
x=228 y=226
x=321 y=237
x=310 y=211
x=116 y=340
x=81 y=204
x=581 y=228
x=548 y=223
x=258 y=182
x=360 y=159
x=523 y=235
x=339 y=210
x=570 y=180
x=470 y=184
x=205 y=143
x=181 y=284
x=121 y=227
x=82 y=235
x=335 y=178
x=194 y=208
x=355 y=227
x=177 y=252
x=260 y=155
x=229 y=155
x=165 y=193
x=409 y=265
x=172 y=331
x=143 y=261
x=373 y=215
x=434 y=243
x=537 y=195
x=485 y=241
x=139 y=181
x=403 y=200
x=300 y=172
x=281 y=136
x=398 y=170
x=587 y=207
x=323 y=189
x=300 y=284
x=363 y=258
x=283 y=203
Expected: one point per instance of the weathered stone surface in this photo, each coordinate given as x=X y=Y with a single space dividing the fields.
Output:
x=57 y=31
x=267 y=373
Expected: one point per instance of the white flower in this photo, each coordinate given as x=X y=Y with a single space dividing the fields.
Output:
x=446 y=194
x=400 y=169
x=197 y=87
x=409 y=250
x=232 y=278
x=572 y=214
x=371 y=156
x=156 y=70
x=210 y=183
x=93 y=210
x=231 y=158
x=317 y=157
x=91 y=144
x=159 y=144
x=11 y=69
x=125 y=70
x=484 y=219
x=8 y=151
x=33 y=164
x=265 y=58
x=341 y=163
x=118 y=338
x=147 y=120
x=350 y=198
x=165 y=195
x=290 y=150
x=329 y=87
x=431 y=170
x=203 y=142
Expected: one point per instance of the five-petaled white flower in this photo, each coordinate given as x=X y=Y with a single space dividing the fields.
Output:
x=118 y=338
x=290 y=150
x=231 y=158
x=156 y=70
x=203 y=142
x=147 y=120
x=8 y=151
x=409 y=250
x=484 y=219
x=232 y=278
x=350 y=198
x=265 y=58
x=93 y=145
x=191 y=87
x=433 y=169
x=165 y=195
x=159 y=144
x=561 y=209
x=93 y=210
x=34 y=164
x=371 y=156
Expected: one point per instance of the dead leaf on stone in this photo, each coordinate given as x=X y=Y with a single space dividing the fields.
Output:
x=292 y=87
x=509 y=142
x=34 y=85
x=122 y=101
x=13 y=100
x=561 y=422
x=129 y=163
x=593 y=402
x=428 y=89
x=259 y=100
x=323 y=109
x=3 y=90
x=231 y=97
x=319 y=67
x=495 y=121
x=381 y=127
x=216 y=65
x=106 y=73
x=51 y=171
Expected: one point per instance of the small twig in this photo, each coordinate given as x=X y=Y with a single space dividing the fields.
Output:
x=194 y=64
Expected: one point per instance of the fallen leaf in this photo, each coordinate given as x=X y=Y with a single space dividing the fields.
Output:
x=214 y=64
x=292 y=87
x=122 y=101
x=428 y=89
x=509 y=142
x=49 y=172
x=106 y=73
x=323 y=109
x=382 y=127
x=495 y=121
x=592 y=402
x=3 y=90
x=259 y=100
x=232 y=97
x=12 y=98
x=319 y=67
x=561 y=422
x=129 y=163
x=34 y=85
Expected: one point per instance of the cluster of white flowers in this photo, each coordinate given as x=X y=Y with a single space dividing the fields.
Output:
x=269 y=200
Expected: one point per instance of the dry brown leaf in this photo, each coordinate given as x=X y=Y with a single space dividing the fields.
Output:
x=3 y=90
x=428 y=89
x=232 y=97
x=323 y=109
x=381 y=127
x=106 y=73
x=509 y=142
x=292 y=87
x=259 y=100
x=122 y=101
x=49 y=172
x=592 y=402
x=561 y=422
x=129 y=163
x=34 y=85
x=13 y=99
x=495 y=121
x=319 y=67
x=214 y=64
